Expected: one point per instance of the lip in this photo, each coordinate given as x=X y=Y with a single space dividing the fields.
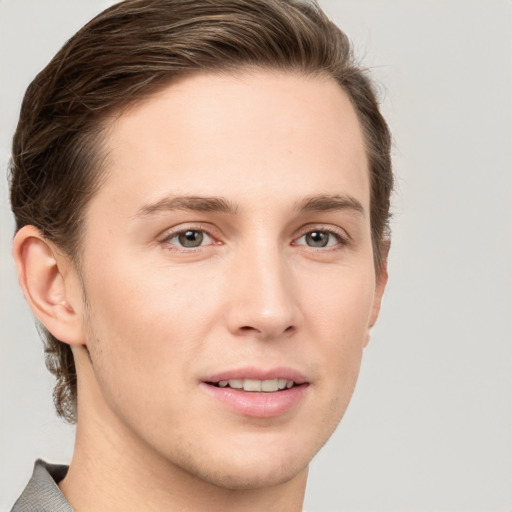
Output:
x=257 y=404
x=251 y=372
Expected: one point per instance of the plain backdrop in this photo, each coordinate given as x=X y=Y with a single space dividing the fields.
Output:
x=430 y=424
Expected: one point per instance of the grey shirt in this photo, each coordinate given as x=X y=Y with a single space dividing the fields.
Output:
x=42 y=493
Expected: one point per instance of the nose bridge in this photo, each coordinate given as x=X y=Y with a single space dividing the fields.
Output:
x=263 y=297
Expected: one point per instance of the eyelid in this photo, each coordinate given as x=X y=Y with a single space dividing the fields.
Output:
x=343 y=236
x=170 y=233
x=208 y=229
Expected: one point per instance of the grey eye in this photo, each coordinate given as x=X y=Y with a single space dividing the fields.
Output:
x=191 y=238
x=317 y=238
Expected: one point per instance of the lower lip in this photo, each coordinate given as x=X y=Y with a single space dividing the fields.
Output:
x=258 y=404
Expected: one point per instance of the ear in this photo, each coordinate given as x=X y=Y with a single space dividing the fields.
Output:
x=50 y=283
x=380 y=286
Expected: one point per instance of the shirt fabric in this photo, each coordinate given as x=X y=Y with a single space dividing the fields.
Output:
x=42 y=493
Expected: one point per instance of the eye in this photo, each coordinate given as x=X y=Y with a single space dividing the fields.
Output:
x=319 y=239
x=190 y=238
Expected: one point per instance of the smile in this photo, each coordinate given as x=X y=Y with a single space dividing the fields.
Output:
x=256 y=385
x=258 y=393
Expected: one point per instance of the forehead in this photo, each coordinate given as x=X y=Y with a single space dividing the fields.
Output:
x=245 y=135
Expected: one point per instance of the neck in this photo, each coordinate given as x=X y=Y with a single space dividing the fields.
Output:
x=113 y=470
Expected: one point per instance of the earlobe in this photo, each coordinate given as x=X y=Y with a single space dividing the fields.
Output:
x=46 y=278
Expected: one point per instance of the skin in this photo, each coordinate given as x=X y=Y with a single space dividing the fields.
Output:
x=149 y=320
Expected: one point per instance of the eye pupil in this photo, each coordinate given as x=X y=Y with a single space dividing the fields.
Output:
x=317 y=239
x=191 y=238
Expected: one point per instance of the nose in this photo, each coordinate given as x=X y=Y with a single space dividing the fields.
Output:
x=263 y=297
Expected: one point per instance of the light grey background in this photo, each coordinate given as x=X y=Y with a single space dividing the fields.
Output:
x=430 y=424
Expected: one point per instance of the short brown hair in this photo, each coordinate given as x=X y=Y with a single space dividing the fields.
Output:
x=130 y=51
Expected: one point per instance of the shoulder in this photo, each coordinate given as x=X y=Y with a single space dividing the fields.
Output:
x=42 y=493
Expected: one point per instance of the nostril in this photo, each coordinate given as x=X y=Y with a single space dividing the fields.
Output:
x=248 y=328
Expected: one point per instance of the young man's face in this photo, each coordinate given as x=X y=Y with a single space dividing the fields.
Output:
x=230 y=241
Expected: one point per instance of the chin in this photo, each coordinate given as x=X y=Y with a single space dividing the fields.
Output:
x=252 y=463
x=251 y=477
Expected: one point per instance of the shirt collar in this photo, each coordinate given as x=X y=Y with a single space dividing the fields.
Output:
x=42 y=492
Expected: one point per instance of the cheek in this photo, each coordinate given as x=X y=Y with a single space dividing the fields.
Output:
x=340 y=315
x=341 y=303
x=145 y=322
x=142 y=340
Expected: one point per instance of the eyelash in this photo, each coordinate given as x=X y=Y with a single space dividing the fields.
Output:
x=340 y=236
x=179 y=248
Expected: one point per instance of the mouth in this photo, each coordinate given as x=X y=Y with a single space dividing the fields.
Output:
x=256 y=385
x=256 y=393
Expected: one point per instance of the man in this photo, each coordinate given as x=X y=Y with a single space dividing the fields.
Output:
x=201 y=191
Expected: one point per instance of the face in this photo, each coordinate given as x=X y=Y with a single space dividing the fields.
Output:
x=228 y=271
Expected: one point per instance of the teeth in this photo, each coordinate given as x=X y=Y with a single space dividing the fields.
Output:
x=268 y=386
x=252 y=385
x=236 y=383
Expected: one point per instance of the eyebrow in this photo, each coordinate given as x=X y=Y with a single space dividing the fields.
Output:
x=322 y=203
x=197 y=203
x=317 y=203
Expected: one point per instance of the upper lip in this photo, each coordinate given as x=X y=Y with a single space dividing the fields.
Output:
x=252 y=372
